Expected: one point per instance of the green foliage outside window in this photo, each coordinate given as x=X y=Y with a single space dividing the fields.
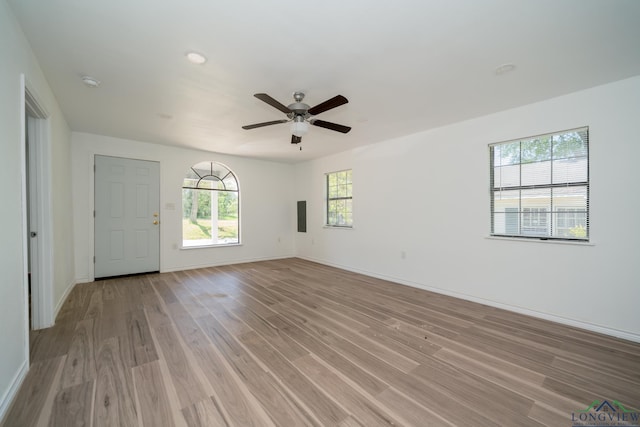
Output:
x=560 y=146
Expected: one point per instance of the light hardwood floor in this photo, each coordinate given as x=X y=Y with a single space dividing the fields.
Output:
x=293 y=343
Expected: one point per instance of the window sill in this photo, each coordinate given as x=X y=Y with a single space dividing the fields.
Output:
x=538 y=240
x=219 y=245
x=338 y=227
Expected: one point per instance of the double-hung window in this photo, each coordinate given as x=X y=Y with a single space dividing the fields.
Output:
x=540 y=186
x=339 y=199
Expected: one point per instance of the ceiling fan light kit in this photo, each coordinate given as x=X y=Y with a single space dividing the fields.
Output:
x=299 y=127
x=301 y=115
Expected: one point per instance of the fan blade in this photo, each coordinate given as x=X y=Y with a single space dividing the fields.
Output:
x=259 y=125
x=334 y=102
x=269 y=100
x=332 y=126
x=296 y=139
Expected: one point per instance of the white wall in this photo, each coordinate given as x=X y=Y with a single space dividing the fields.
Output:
x=61 y=200
x=16 y=58
x=266 y=205
x=427 y=194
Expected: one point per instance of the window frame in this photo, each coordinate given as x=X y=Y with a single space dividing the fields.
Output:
x=201 y=178
x=555 y=207
x=329 y=199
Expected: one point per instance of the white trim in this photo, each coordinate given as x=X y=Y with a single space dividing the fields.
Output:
x=25 y=245
x=218 y=245
x=521 y=310
x=32 y=101
x=7 y=399
x=229 y=262
x=550 y=240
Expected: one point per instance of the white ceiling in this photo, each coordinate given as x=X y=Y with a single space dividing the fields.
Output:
x=404 y=65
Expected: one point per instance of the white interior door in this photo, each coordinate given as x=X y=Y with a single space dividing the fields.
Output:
x=127 y=207
x=32 y=215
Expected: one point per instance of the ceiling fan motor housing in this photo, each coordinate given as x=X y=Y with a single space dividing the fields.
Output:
x=299 y=108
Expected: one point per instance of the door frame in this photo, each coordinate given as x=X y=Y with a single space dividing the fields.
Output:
x=34 y=115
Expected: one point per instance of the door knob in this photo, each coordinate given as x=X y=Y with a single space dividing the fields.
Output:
x=156 y=222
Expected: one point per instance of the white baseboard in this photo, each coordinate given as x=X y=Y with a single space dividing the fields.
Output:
x=228 y=262
x=516 y=309
x=205 y=265
x=10 y=394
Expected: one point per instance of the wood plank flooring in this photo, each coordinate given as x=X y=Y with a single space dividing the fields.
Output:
x=294 y=343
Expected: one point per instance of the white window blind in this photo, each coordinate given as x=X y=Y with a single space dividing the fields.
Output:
x=540 y=186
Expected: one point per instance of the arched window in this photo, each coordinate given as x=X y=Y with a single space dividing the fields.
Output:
x=210 y=206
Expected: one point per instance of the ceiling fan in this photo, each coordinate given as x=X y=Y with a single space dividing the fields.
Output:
x=301 y=115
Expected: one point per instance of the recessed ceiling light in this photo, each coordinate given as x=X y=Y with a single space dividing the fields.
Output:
x=196 y=58
x=90 y=81
x=505 y=68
